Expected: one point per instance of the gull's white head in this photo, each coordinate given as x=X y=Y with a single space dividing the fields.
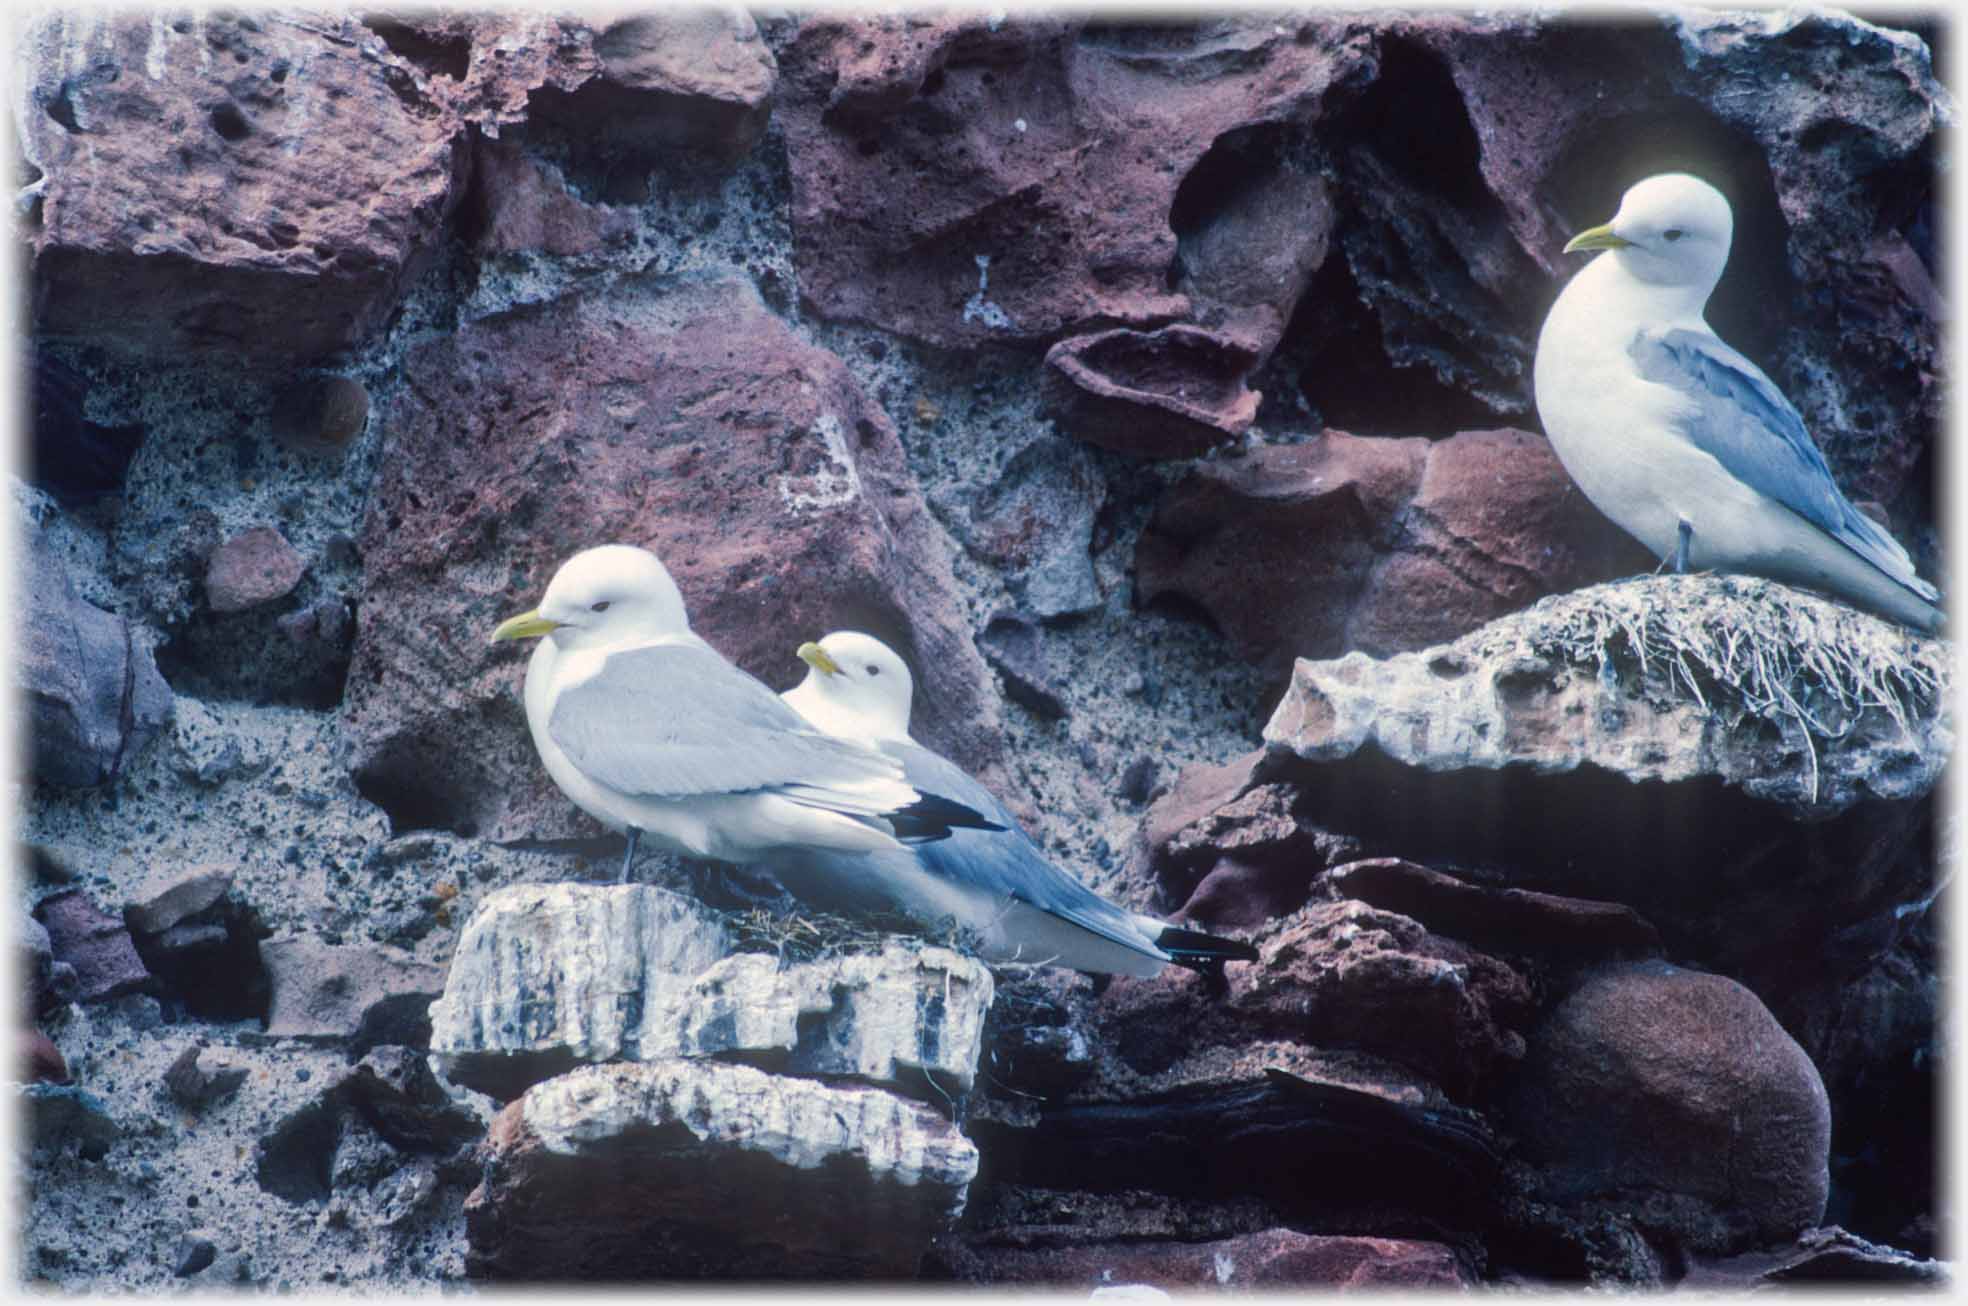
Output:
x=615 y=594
x=855 y=686
x=1671 y=230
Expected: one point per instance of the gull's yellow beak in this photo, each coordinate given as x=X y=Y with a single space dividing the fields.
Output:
x=1599 y=237
x=816 y=657
x=527 y=625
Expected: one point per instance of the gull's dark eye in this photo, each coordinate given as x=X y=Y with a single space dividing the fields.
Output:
x=599 y=607
x=1673 y=233
x=873 y=670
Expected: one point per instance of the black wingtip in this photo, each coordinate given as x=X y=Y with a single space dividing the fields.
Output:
x=1202 y=952
x=932 y=817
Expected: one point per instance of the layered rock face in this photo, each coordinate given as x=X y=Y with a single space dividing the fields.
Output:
x=1158 y=388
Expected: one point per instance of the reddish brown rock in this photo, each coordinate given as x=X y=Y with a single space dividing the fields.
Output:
x=1337 y=974
x=1651 y=1079
x=253 y=567
x=1515 y=921
x=683 y=418
x=1230 y=851
x=250 y=184
x=1252 y=224
x=518 y=206
x=1377 y=544
x=1171 y=393
x=1044 y=159
x=37 y=1060
x=663 y=80
x=96 y=944
x=1273 y=1259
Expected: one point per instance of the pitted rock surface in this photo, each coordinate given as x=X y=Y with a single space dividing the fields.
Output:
x=257 y=185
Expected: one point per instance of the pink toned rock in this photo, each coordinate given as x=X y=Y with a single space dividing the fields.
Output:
x=1653 y=1079
x=1515 y=921
x=37 y=1060
x=646 y=84
x=684 y=418
x=1171 y=393
x=1335 y=975
x=256 y=185
x=521 y=206
x=96 y=944
x=1044 y=161
x=1378 y=544
x=253 y=567
x=1273 y=1259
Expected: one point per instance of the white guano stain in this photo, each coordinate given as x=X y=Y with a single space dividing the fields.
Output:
x=979 y=307
x=831 y=486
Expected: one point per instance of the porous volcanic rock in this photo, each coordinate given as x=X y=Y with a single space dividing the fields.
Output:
x=685 y=1169
x=260 y=185
x=548 y=976
x=1382 y=545
x=1226 y=849
x=1652 y=1079
x=1174 y=392
x=1514 y=921
x=1336 y=974
x=93 y=693
x=1667 y=678
x=1750 y=767
x=679 y=416
x=1034 y=522
x=1010 y=127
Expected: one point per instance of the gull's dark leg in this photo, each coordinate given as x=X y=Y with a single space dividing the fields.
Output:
x=628 y=857
x=1685 y=534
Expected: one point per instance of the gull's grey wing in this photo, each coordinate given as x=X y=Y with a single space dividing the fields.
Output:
x=1743 y=420
x=1007 y=863
x=675 y=720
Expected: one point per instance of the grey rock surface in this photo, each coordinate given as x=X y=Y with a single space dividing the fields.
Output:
x=546 y=977
x=335 y=992
x=1657 y=678
x=92 y=692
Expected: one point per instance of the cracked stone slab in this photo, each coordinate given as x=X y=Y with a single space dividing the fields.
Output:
x=546 y=977
x=683 y=1168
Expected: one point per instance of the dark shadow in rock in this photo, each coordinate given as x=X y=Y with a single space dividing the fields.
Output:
x=69 y=456
x=211 y=964
x=297 y=1159
x=1257 y=1140
x=265 y=656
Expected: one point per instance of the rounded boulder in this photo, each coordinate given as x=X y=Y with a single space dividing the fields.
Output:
x=1651 y=1081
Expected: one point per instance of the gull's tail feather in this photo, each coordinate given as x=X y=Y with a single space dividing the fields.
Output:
x=932 y=817
x=1202 y=952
